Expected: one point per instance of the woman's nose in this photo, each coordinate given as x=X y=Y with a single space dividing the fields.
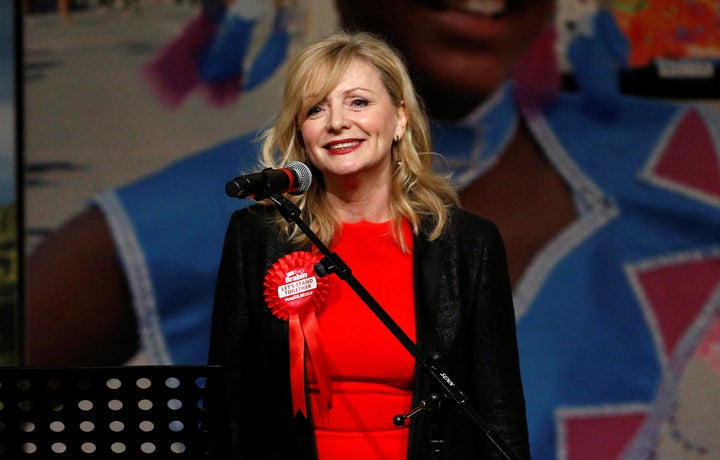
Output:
x=338 y=119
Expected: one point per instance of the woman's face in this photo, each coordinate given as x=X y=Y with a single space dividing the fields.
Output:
x=349 y=133
x=456 y=49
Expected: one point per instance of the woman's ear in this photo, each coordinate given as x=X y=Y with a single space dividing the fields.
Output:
x=401 y=121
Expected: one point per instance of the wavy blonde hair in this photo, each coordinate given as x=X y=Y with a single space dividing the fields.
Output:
x=417 y=193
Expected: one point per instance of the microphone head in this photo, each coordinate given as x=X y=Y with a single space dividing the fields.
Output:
x=303 y=174
x=232 y=188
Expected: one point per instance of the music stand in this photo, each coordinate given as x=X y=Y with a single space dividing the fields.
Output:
x=152 y=412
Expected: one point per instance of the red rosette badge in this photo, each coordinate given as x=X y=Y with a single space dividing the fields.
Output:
x=294 y=293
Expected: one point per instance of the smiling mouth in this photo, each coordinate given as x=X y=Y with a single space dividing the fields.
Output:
x=342 y=145
x=479 y=7
x=484 y=7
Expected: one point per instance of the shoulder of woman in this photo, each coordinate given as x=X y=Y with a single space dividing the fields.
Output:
x=466 y=223
x=253 y=218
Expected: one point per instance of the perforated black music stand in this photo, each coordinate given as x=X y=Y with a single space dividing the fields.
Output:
x=129 y=412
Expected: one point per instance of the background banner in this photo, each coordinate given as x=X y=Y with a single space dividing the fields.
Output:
x=10 y=247
x=136 y=113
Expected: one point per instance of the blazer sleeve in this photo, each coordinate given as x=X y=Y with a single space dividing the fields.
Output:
x=230 y=340
x=252 y=345
x=475 y=333
x=498 y=383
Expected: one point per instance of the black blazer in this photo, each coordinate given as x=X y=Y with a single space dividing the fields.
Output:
x=464 y=312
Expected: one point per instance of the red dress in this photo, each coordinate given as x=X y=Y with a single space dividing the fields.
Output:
x=371 y=372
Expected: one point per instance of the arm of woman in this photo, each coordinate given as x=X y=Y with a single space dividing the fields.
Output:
x=230 y=343
x=78 y=310
x=252 y=345
x=497 y=370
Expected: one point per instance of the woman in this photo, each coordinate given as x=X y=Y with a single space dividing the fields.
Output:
x=350 y=112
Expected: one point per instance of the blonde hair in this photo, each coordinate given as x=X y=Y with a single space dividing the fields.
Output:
x=417 y=192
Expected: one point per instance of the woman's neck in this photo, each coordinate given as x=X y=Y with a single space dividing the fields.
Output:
x=369 y=209
x=449 y=105
x=371 y=204
x=360 y=197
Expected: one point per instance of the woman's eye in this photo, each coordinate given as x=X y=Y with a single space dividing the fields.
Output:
x=359 y=102
x=313 y=111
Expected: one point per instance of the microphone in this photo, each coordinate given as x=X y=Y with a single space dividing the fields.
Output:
x=295 y=178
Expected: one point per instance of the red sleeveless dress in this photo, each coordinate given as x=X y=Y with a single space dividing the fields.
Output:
x=371 y=372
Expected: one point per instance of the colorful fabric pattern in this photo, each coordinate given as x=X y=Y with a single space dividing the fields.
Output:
x=612 y=314
x=669 y=29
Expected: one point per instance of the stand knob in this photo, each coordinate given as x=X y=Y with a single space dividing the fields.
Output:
x=429 y=404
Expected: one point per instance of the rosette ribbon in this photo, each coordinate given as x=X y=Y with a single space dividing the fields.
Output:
x=294 y=293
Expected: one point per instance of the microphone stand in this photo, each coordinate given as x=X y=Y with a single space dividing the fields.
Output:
x=332 y=263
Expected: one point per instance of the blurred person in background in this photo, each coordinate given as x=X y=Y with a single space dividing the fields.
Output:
x=608 y=205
